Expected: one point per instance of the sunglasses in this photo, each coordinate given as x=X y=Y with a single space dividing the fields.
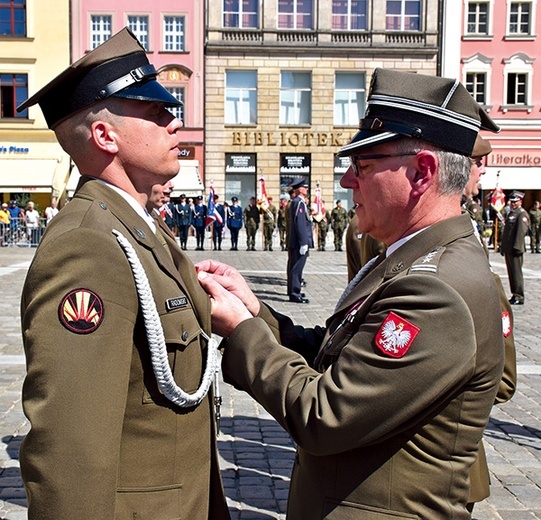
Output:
x=354 y=159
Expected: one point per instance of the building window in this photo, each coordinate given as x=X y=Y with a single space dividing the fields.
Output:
x=476 y=83
x=177 y=93
x=174 y=33
x=349 y=98
x=241 y=97
x=12 y=17
x=139 y=27
x=13 y=91
x=517 y=88
x=477 y=18
x=295 y=14
x=349 y=15
x=295 y=98
x=520 y=18
x=241 y=14
x=100 y=29
x=403 y=15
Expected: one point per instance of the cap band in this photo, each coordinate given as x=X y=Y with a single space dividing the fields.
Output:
x=134 y=76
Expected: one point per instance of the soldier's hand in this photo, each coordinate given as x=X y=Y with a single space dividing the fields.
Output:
x=303 y=249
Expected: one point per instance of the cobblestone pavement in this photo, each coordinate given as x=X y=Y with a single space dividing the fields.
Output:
x=256 y=454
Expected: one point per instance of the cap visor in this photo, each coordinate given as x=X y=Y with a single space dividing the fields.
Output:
x=149 y=91
x=364 y=139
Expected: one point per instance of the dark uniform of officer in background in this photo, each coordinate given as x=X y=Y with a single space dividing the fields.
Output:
x=251 y=223
x=183 y=218
x=199 y=218
x=234 y=222
x=513 y=245
x=388 y=402
x=113 y=433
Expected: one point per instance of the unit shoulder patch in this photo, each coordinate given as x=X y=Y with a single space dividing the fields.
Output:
x=81 y=311
x=396 y=335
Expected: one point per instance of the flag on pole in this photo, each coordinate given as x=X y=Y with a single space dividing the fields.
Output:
x=262 y=200
x=497 y=199
x=317 y=206
x=212 y=212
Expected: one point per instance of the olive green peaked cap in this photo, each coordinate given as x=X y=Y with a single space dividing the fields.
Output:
x=118 y=67
x=437 y=110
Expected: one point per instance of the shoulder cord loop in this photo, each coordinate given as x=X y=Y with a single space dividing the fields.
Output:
x=156 y=339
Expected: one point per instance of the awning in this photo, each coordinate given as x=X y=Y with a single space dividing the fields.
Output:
x=187 y=180
x=512 y=178
x=27 y=175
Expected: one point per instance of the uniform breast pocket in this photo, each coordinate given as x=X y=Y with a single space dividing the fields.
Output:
x=185 y=354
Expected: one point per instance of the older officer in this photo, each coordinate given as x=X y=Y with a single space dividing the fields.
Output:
x=388 y=416
x=115 y=326
x=300 y=239
x=513 y=245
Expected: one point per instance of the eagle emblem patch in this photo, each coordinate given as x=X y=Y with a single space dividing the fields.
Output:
x=396 y=335
x=81 y=311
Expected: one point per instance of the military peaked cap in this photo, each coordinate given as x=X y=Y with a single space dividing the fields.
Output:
x=516 y=196
x=298 y=183
x=481 y=147
x=437 y=110
x=118 y=67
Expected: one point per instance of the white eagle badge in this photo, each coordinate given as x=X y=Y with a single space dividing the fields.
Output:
x=396 y=335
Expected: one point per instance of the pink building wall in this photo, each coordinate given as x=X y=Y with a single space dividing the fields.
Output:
x=516 y=158
x=185 y=69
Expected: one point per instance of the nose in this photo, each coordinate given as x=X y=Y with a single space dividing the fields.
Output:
x=348 y=180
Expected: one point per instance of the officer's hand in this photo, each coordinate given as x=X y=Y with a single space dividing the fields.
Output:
x=304 y=249
x=227 y=311
x=231 y=280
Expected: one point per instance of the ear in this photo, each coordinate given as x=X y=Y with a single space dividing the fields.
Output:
x=104 y=136
x=426 y=166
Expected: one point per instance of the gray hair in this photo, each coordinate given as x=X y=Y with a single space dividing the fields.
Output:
x=454 y=170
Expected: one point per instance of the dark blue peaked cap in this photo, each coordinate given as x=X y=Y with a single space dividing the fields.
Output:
x=118 y=67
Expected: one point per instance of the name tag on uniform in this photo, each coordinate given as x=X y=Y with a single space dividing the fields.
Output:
x=176 y=303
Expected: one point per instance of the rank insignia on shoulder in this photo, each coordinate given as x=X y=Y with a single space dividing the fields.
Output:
x=506 y=324
x=396 y=335
x=81 y=311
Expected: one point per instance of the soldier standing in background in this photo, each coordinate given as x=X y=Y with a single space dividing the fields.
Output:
x=269 y=223
x=251 y=223
x=281 y=220
x=535 y=228
x=513 y=245
x=323 y=227
x=339 y=222
x=199 y=216
x=182 y=217
x=234 y=222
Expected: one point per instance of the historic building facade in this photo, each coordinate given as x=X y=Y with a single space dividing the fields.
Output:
x=286 y=84
x=34 y=46
x=495 y=52
x=172 y=32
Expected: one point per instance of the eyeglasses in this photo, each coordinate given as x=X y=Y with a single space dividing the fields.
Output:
x=355 y=158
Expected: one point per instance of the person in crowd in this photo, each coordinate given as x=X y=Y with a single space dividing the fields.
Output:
x=116 y=329
x=339 y=222
x=4 y=224
x=270 y=214
x=535 y=227
x=183 y=213
x=234 y=222
x=218 y=227
x=323 y=227
x=16 y=220
x=300 y=240
x=513 y=245
x=32 y=222
x=281 y=221
x=251 y=223
x=52 y=210
x=388 y=401
x=198 y=221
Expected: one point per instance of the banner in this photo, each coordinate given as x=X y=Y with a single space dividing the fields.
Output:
x=212 y=212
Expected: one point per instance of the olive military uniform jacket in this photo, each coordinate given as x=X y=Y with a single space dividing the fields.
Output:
x=105 y=443
x=517 y=224
x=413 y=357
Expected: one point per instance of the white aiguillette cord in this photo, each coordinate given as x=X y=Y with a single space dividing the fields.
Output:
x=156 y=339
x=356 y=279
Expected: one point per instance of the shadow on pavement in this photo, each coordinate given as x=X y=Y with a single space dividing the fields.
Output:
x=522 y=435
